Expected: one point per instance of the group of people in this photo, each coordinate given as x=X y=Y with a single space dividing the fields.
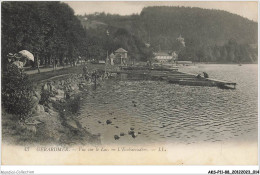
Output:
x=93 y=75
x=204 y=74
x=16 y=59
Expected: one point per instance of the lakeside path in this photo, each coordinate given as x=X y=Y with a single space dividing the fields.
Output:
x=35 y=71
x=47 y=73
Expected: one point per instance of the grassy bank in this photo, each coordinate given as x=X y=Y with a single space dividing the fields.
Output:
x=74 y=132
x=59 y=125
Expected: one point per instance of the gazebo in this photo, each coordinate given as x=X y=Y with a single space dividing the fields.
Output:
x=122 y=55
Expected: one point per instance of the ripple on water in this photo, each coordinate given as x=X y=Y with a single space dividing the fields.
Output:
x=166 y=112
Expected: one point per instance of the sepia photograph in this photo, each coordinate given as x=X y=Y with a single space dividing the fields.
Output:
x=129 y=83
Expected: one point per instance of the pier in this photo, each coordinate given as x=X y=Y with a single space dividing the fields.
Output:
x=176 y=77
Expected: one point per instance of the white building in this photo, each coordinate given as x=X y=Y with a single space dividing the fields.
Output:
x=163 y=57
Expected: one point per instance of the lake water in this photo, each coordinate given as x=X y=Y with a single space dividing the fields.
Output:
x=163 y=112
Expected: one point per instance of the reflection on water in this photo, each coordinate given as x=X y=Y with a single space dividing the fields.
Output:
x=163 y=112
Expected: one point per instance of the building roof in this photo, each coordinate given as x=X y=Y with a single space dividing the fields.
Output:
x=161 y=54
x=121 y=50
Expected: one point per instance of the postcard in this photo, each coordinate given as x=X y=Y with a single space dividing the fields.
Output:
x=129 y=83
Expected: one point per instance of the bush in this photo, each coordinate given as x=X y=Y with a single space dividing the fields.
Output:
x=45 y=95
x=74 y=104
x=17 y=92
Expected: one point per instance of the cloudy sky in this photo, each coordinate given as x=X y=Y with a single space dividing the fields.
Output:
x=245 y=9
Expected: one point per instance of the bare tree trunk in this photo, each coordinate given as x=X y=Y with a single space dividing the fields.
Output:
x=37 y=62
x=53 y=63
x=50 y=57
x=63 y=61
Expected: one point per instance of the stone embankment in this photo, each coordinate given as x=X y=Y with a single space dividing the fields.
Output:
x=56 y=105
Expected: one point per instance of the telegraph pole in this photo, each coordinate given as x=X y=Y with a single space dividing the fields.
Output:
x=107 y=54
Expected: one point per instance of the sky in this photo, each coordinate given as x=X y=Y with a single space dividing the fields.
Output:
x=245 y=9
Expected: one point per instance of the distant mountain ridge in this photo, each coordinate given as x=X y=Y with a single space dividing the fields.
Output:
x=210 y=26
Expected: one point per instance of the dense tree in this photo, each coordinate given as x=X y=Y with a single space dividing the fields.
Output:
x=51 y=31
x=47 y=29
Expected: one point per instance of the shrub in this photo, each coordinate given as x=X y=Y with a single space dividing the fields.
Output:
x=74 y=104
x=45 y=95
x=17 y=92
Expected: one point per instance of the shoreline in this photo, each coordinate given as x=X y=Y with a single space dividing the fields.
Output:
x=54 y=117
x=224 y=63
x=64 y=126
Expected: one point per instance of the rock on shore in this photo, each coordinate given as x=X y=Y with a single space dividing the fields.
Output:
x=53 y=116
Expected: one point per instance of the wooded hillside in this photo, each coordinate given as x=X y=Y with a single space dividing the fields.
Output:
x=210 y=35
x=51 y=31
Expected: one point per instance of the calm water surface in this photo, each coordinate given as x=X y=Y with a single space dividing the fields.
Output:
x=163 y=112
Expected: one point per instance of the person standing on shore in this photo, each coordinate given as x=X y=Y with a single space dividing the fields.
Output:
x=18 y=62
x=85 y=72
x=10 y=57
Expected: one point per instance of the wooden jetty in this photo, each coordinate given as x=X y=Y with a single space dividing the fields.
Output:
x=184 y=78
x=176 y=77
